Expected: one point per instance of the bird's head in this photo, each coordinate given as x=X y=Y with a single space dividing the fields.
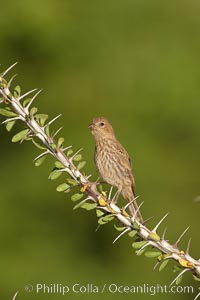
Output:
x=100 y=127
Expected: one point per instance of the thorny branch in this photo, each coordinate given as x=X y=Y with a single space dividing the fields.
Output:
x=145 y=237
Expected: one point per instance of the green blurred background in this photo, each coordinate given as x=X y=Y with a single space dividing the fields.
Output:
x=137 y=63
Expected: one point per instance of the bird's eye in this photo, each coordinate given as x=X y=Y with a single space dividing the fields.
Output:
x=101 y=124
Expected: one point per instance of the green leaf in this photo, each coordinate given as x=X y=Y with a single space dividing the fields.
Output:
x=76 y=197
x=163 y=264
x=59 y=165
x=38 y=145
x=62 y=187
x=78 y=157
x=72 y=181
x=101 y=221
x=33 y=111
x=7 y=113
x=20 y=135
x=152 y=254
x=69 y=152
x=17 y=91
x=119 y=228
x=106 y=219
x=40 y=160
x=99 y=213
x=100 y=188
x=88 y=206
x=177 y=268
x=81 y=165
x=3 y=83
x=136 y=225
x=154 y=236
x=132 y=233
x=78 y=205
x=10 y=125
x=54 y=175
x=54 y=147
x=195 y=277
x=47 y=130
x=60 y=141
x=41 y=118
x=138 y=245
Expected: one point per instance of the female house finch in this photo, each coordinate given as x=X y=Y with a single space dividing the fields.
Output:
x=113 y=162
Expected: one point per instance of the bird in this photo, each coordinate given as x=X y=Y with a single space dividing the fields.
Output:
x=113 y=162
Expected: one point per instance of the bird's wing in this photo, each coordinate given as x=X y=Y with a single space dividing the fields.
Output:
x=123 y=158
x=122 y=153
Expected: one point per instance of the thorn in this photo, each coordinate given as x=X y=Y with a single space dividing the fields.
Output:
x=164 y=232
x=156 y=227
x=54 y=119
x=66 y=148
x=130 y=202
x=188 y=246
x=97 y=181
x=10 y=81
x=110 y=193
x=147 y=220
x=157 y=263
x=42 y=154
x=84 y=200
x=33 y=98
x=135 y=214
x=15 y=295
x=26 y=94
x=147 y=244
x=122 y=233
x=99 y=225
x=57 y=131
x=11 y=119
x=62 y=170
x=116 y=196
x=178 y=240
x=72 y=157
x=181 y=273
x=197 y=296
x=7 y=70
